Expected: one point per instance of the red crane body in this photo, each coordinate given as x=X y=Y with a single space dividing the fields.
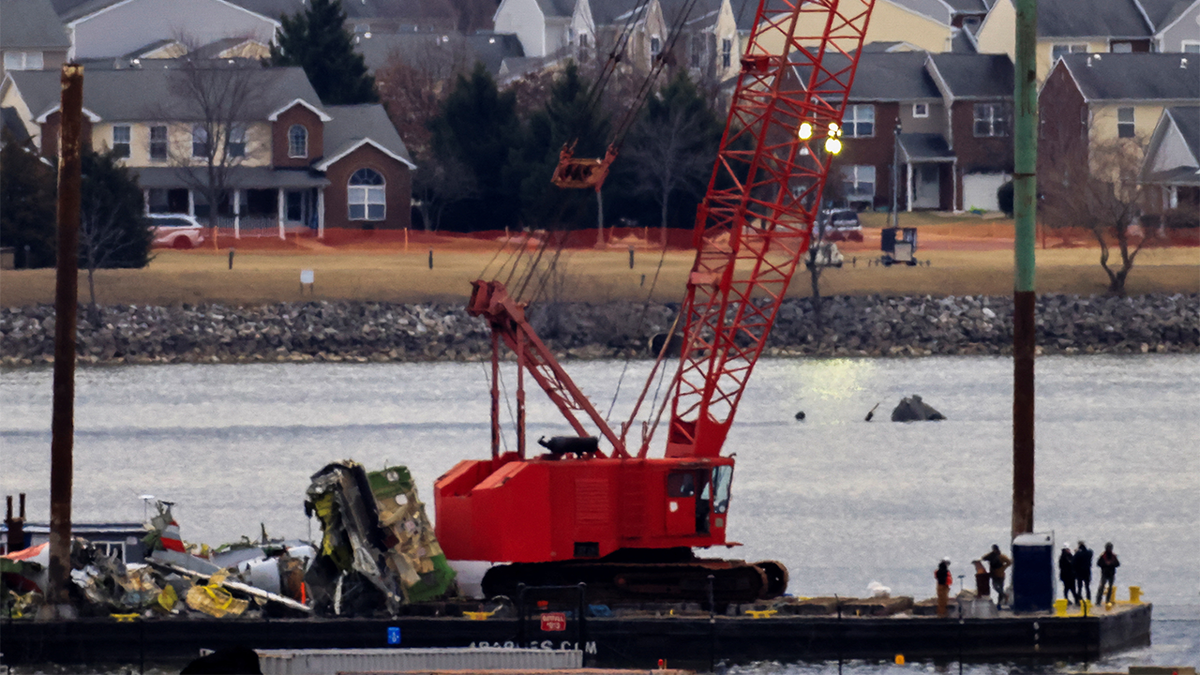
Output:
x=577 y=502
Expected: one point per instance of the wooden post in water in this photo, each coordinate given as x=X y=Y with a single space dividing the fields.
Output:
x=62 y=427
x=1024 y=296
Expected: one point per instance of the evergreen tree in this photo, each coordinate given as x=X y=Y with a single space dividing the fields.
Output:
x=27 y=208
x=317 y=40
x=476 y=130
x=568 y=118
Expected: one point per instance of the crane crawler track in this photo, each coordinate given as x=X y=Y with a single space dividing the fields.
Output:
x=734 y=581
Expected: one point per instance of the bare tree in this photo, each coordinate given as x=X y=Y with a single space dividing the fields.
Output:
x=1102 y=195
x=220 y=97
x=666 y=158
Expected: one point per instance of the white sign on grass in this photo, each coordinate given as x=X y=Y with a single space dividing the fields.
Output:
x=306 y=276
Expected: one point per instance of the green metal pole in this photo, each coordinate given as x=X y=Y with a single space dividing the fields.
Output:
x=1024 y=297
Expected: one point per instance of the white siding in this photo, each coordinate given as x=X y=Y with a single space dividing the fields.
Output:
x=525 y=19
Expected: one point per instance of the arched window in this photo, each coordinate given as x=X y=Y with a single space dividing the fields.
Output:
x=366 y=195
x=297 y=141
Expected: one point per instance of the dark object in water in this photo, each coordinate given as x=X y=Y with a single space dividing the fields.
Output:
x=238 y=660
x=561 y=445
x=871 y=412
x=800 y=415
x=674 y=347
x=913 y=409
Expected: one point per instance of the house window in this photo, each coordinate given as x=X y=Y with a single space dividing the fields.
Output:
x=365 y=194
x=1190 y=46
x=920 y=110
x=859 y=121
x=23 y=60
x=583 y=40
x=859 y=183
x=991 y=119
x=158 y=142
x=297 y=141
x=120 y=142
x=1121 y=47
x=1125 y=128
x=237 y=141
x=1058 y=51
x=726 y=52
x=1085 y=121
x=199 y=141
x=697 y=44
x=655 y=45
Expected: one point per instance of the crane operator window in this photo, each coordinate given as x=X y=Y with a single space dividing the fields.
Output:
x=681 y=484
x=722 y=477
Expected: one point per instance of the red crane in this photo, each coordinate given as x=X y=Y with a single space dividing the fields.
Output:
x=615 y=518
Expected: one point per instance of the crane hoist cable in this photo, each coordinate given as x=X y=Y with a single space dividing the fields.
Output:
x=573 y=172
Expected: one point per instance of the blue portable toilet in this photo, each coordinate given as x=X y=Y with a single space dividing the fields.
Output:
x=1033 y=572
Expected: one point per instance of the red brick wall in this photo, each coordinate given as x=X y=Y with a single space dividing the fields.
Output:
x=876 y=150
x=398 y=189
x=297 y=114
x=1061 y=108
x=982 y=154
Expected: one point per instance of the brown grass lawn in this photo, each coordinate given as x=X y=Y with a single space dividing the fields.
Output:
x=973 y=262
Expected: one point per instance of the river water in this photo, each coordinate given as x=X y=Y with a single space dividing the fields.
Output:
x=840 y=501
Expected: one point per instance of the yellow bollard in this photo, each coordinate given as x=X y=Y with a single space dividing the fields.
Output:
x=1135 y=594
x=1060 y=607
x=1086 y=605
x=899 y=659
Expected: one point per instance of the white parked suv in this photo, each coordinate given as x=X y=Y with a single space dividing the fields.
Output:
x=176 y=230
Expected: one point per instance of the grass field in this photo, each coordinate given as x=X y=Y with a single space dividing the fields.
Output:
x=973 y=261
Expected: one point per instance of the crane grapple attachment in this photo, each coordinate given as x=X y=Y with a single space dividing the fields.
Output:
x=573 y=172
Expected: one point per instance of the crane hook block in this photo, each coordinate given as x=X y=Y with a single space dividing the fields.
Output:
x=582 y=173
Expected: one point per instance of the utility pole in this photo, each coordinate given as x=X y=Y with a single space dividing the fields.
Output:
x=896 y=175
x=1024 y=296
x=62 y=426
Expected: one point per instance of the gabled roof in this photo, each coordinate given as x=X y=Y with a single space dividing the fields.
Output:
x=1173 y=156
x=1091 y=18
x=973 y=76
x=894 y=76
x=82 y=11
x=356 y=125
x=31 y=24
x=1187 y=120
x=559 y=8
x=151 y=93
x=415 y=12
x=141 y=52
x=439 y=52
x=1164 y=12
x=1135 y=77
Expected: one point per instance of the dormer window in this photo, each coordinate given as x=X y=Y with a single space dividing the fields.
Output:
x=655 y=45
x=298 y=141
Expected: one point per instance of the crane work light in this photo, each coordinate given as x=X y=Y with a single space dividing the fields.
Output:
x=832 y=144
x=805 y=131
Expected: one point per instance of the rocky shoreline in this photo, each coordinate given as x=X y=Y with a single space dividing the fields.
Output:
x=868 y=326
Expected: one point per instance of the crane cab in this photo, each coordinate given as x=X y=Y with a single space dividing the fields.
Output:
x=579 y=507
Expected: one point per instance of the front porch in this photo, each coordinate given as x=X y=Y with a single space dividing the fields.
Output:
x=258 y=201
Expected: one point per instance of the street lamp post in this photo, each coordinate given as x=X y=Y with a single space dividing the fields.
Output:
x=896 y=176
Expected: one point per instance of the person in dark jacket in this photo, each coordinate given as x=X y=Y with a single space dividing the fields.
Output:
x=1083 y=572
x=1066 y=573
x=944 y=581
x=997 y=564
x=1108 y=564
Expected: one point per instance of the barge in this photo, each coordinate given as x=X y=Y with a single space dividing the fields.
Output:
x=690 y=640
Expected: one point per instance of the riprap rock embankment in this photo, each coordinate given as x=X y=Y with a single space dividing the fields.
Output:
x=368 y=331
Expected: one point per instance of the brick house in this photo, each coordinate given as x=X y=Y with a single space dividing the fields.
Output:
x=954 y=146
x=1091 y=99
x=294 y=164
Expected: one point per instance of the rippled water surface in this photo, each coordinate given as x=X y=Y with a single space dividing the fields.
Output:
x=840 y=501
